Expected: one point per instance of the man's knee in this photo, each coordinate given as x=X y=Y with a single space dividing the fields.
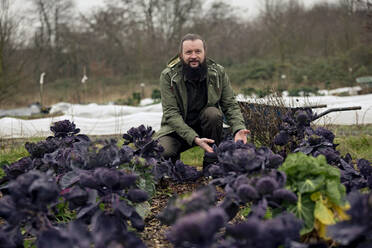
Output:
x=171 y=149
x=212 y=114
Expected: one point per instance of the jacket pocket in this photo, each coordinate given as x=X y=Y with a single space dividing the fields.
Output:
x=213 y=95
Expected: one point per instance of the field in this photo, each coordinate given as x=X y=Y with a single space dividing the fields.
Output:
x=154 y=232
x=80 y=104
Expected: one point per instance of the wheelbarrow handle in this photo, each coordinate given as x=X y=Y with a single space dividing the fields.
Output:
x=307 y=107
x=336 y=110
x=318 y=106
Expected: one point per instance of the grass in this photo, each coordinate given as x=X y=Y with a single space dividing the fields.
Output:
x=193 y=156
x=358 y=147
x=10 y=151
x=353 y=139
x=14 y=149
x=350 y=130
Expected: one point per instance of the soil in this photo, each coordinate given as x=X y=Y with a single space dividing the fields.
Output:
x=154 y=234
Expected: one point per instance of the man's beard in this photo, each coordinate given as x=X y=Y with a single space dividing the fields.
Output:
x=194 y=73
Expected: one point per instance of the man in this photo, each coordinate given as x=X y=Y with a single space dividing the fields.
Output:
x=194 y=90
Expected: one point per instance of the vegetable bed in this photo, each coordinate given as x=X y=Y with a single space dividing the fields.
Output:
x=71 y=191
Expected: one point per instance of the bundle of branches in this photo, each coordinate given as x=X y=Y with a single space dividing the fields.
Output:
x=263 y=118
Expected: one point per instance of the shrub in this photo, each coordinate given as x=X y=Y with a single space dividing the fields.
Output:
x=155 y=95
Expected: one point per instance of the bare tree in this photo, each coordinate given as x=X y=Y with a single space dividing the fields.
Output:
x=54 y=18
x=52 y=15
x=282 y=21
x=347 y=18
x=11 y=63
x=139 y=36
x=220 y=26
x=320 y=36
x=114 y=31
x=365 y=10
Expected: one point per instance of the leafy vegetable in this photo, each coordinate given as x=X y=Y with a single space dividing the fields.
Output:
x=317 y=185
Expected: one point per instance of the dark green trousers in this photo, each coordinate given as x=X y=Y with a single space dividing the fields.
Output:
x=210 y=127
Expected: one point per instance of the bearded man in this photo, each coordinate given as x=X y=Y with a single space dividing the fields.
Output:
x=195 y=94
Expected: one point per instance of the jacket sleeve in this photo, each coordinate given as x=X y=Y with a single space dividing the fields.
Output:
x=171 y=111
x=230 y=106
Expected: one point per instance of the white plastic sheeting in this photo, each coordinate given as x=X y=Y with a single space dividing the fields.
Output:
x=94 y=119
x=30 y=110
x=102 y=111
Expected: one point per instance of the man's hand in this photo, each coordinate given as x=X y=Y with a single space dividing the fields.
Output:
x=242 y=135
x=204 y=143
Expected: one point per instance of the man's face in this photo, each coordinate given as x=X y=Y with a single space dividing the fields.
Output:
x=193 y=52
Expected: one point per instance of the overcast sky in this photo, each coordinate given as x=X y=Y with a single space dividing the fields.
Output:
x=250 y=7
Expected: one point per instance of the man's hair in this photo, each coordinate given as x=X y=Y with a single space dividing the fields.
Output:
x=191 y=37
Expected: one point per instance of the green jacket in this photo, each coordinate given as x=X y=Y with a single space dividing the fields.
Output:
x=174 y=99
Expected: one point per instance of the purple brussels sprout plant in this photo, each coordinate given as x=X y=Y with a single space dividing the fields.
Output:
x=26 y=204
x=198 y=229
x=178 y=172
x=202 y=199
x=260 y=192
x=239 y=158
x=257 y=233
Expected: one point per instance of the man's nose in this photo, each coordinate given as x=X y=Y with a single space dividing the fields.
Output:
x=193 y=55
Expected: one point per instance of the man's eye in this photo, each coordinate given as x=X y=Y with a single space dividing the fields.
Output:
x=188 y=52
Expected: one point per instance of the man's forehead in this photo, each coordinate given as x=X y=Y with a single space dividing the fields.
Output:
x=189 y=44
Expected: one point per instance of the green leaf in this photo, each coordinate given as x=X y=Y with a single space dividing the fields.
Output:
x=4 y=162
x=2 y=173
x=292 y=162
x=63 y=213
x=310 y=185
x=143 y=209
x=147 y=184
x=304 y=210
x=307 y=176
x=268 y=214
x=29 y=243
x=335 y=191
x=245 y=211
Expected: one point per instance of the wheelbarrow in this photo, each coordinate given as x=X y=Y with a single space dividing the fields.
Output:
x=264 y=120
